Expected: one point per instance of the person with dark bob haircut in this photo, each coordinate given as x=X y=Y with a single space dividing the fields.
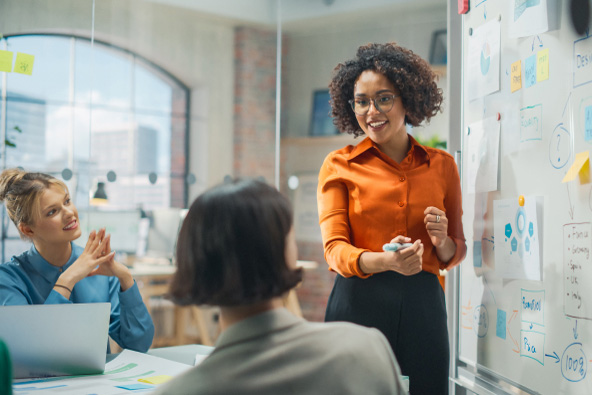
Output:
x=237 y=250
x=390 y=210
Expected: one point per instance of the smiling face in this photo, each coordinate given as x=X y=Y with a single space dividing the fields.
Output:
x=387 y=128
x=57 y=219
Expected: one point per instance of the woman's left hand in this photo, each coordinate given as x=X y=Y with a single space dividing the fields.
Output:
x=113 y=268
x=436 y=225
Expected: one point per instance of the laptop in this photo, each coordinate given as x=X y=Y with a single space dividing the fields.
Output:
x=57 y=339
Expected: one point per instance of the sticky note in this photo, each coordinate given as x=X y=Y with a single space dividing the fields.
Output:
x=156 y=379
x=6 y=61
x=24 y=63
x=133 y=387
x=543 y=65
x=588 y=124
x=477 y=258
x=530 y=71
x=580 y=166
x=500 y=327
x=516 y=76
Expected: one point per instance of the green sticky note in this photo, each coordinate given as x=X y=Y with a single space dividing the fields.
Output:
x=24 y=63
x=6 y=61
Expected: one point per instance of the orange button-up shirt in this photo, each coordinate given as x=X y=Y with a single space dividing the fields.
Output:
x=365 y=199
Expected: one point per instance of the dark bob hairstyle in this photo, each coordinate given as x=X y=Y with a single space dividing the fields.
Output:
x=408 y=72
x=231 y=247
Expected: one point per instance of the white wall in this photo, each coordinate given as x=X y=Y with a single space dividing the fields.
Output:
x=316 y=48
x=313 y=53
x=197 y=49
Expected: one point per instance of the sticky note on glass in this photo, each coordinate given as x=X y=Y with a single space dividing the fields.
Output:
x=530 y=71
x=516 y=76
x=156 y=379
x=24 y=63
x=543 y=65
x=6 y=61
x=580 y=166
x=500 y=327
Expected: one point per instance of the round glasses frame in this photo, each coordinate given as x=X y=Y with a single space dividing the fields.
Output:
x=378 y=106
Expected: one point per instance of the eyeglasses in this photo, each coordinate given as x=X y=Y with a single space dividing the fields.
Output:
x=382 y=103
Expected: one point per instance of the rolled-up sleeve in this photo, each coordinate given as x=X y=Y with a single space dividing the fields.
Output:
x=333 y=203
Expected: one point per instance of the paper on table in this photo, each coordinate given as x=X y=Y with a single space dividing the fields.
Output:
x=126 y=369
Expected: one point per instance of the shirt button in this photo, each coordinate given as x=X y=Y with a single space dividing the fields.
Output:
x=402 y=179
x=401 y=204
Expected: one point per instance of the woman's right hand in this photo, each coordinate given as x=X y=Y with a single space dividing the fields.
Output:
x=407 y=261
x=94 y=254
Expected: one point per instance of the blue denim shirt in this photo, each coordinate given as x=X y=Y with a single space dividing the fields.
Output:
x=29 y=279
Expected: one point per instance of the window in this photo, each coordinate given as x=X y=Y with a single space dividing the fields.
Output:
x=94 y=109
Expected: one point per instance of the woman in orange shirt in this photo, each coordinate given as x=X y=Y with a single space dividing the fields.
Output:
x=390 y=189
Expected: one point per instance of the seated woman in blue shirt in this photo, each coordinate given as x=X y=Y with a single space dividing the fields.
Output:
x=55 y=270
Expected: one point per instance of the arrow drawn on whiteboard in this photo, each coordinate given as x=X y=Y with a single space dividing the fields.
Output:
x=575 y=330
x=571 y=206
x=484 y=12
x=554 y=356
x=540 y=42
x=514 y=314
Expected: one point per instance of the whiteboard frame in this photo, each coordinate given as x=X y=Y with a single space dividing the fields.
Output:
x=465 y=375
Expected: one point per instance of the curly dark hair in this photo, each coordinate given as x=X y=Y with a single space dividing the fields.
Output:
x=410 y=74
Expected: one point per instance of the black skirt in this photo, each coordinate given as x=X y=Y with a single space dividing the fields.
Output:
x=411 y=312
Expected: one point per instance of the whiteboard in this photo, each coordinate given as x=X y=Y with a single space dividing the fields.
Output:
x=525 y=297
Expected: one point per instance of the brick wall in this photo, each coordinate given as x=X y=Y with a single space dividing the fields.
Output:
x=254 y=102
x=254 y=144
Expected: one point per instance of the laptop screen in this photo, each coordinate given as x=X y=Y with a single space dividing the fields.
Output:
x=56 y=340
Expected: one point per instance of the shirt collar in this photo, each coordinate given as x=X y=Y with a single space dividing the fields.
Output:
x=367 y=144
x=46 y=269
x=258 y=325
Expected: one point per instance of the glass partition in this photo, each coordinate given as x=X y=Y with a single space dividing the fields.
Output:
x=149 y=103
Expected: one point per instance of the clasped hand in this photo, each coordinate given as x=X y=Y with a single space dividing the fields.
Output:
x=98 y=259
x=407 y=261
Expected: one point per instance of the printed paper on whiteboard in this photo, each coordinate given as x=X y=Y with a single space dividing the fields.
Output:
x=483 y=141
x=516 y=235
x=484 y=60
x=528 y=17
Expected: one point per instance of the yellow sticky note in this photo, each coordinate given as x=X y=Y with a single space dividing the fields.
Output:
x=163 y=378
x=543 y=65
x=6 y=61
x=516 y=76
x=580 y=166
x=24 y=63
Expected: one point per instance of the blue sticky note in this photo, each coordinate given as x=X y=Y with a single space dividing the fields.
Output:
x=530 y=75
x=588 y=125
x=500 y=328
x=477 y=258
x=133 y=387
